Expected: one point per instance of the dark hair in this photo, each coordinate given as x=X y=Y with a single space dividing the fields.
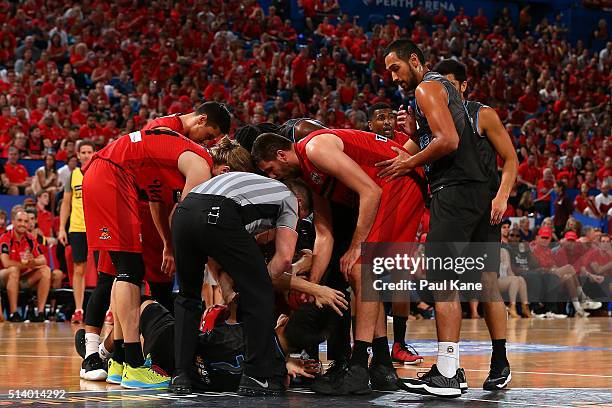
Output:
x=308 y=326
x=377 y=106
x=301 y=189
x=85 y=142
x=246 y=135
x=217 y=115
x=561 y=185
x=266 y=146
x=31 y=210
x=404 y=48
x=451 y=66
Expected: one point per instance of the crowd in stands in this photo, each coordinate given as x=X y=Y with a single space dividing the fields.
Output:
x=100 y=69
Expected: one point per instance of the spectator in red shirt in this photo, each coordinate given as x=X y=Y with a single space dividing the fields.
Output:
x=15 y=177
x=606 y=171
x=529 y=101
x=545 y=188
x=91 y=130
x=79 y=116
x=45 y=218
x=585 y=204
x=528 y=173
x=299 y=69
x=480 y=22
x=440 y=18
x=21 y=256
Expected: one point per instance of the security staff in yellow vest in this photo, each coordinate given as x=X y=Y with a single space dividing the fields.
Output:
x=72 y=206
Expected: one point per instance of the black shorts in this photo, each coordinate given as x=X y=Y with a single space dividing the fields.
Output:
x=461 y=214
x=78 y=242
x=157 y=329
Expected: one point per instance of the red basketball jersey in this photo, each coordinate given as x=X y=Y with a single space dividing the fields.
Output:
x=150 y=157
x=365 y=148
x=171 y=122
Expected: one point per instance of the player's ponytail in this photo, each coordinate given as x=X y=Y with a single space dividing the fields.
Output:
x=229 y=153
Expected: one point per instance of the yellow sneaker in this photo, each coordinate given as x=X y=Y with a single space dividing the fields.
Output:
x=146 y=376
x=115 y=372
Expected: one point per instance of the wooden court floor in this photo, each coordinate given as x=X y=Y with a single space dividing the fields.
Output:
x=573 y=353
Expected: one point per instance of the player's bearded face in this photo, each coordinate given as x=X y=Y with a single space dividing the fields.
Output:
x=278 y=169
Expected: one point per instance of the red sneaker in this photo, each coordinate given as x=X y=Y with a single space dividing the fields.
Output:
x=401 y=354
x=108 y=319
x=77 y=317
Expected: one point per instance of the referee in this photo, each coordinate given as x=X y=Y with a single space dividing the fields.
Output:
x=218 y=219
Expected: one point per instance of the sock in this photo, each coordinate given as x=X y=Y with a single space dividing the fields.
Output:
x=580 y=293
x=448 y=358
x=92 y=342
x=577 y=305
x=399 y=329
x=119 y=352
x=104 y=353
x=498 y=358
x=133 y=354
x=360 y=353
x=380 y=352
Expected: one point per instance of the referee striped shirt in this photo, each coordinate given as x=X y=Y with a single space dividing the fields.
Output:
x=264 y=203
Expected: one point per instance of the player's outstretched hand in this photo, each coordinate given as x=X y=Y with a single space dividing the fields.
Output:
x=326 y=296
x=398 y=166
x=305 y=368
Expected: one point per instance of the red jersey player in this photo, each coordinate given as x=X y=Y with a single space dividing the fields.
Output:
x=340 y=165
x=160 y=163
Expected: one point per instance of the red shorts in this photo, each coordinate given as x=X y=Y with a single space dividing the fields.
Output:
x=152 y=247
x=110 y=204
x=105 y=264
x=399 y=214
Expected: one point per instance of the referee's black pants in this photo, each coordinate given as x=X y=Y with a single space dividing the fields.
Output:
x=208 y=225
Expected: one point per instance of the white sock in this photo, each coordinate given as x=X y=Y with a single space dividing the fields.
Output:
x=104 y=353
x=92 y=342
x=448 y=358
x=577 y=305
x=581 y=294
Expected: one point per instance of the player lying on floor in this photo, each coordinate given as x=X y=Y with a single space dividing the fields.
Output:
x=219 y=357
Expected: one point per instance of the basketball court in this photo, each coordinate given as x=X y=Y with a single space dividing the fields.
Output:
x=555 y=363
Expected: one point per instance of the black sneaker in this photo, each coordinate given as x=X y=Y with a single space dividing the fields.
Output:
x=181 y=383
x=260 y=387
x=93 y=368
x=353 y=379
x=497 y=380
x=383 y=378
x=79 y=342
x=433 y=383
x=15 y=318
x=462 y=380
x=335 y=368
x=37 y=318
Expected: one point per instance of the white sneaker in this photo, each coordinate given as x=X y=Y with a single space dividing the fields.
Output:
x=551 y=315
x=582 y=313
x=539 y=316
x=590 y=305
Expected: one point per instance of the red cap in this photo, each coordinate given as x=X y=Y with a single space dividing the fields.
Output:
x=570 y=236
x=545 y=232
x=184 y=99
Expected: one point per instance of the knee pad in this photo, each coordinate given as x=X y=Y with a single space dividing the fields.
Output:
x=130 y=267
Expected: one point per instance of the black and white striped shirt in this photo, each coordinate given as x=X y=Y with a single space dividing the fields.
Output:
x=264 y=203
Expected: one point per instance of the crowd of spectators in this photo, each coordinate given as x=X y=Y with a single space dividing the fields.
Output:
x=99 y=69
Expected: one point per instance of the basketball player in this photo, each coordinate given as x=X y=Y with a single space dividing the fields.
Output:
x=459 y=184
x=339 y=164
x=161 y=163
x=209 y=121
x=494 y=140
x=382 y=120
x=72 y=207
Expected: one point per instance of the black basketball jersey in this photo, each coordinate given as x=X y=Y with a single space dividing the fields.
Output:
x=488 y=153
x=462 y=166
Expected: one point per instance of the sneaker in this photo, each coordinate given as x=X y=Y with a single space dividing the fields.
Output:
x=433 y=383
x=260 y=387
x=335 y=368
x=115 y=372
x=462 y=380
x=582 y=313
x=497 y=381
x=551 y=315
x=79 y=342
x=401 y=354
x=36 y=317
x=77 y=317
x=383 y=378
x=148 y=376
x=15 y=318
x=590 y=305
x=353 y=379
x=108 y=319
x=93 y=368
